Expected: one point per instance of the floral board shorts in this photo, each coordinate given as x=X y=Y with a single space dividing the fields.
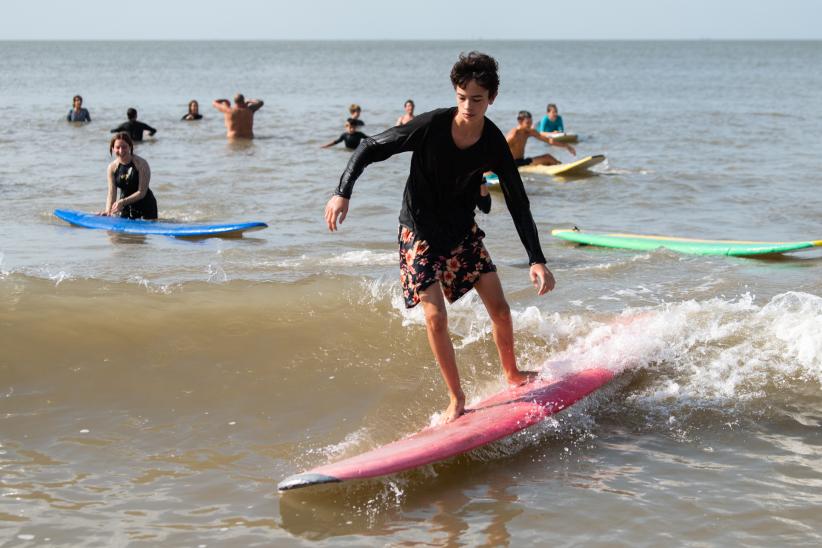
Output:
x=456 y=271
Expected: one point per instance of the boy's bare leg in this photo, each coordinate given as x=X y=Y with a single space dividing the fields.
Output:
x=545 y=160
x=490 y=291
x=436 y=323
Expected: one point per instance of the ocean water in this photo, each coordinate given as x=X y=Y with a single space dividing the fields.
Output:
x=154 y=391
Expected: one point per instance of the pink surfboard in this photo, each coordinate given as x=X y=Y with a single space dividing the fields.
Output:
x=492 y=419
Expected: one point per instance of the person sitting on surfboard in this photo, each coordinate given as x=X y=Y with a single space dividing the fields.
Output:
x=551 y=123
x=441 y=251
x=519 y=135
x=129 y=173
x=351 y=137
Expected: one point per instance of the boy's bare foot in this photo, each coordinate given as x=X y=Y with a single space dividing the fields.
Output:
x=521 y=377
x=455 y=409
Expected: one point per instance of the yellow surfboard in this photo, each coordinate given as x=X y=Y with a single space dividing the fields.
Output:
x=565 y=169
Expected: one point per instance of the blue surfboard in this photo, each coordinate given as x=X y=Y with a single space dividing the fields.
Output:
x=140 y=226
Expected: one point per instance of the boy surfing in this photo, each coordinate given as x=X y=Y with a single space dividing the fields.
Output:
x=441 y=251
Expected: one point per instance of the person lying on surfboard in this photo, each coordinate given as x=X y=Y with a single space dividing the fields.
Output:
x=519 y=135
x=441 y=251
x=551 y=123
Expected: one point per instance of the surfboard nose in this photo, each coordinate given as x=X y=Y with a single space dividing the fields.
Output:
x=306 y=479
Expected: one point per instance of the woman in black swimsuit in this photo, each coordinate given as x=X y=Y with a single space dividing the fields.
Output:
x=131 y=174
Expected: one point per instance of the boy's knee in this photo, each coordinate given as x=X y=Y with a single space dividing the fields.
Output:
x=500 y=312
x=436 y=320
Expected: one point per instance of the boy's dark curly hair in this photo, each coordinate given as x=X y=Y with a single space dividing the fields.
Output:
x=479 y=67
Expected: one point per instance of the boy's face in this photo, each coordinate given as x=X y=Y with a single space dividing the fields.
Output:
x=552 y=114
x=526 y=123
x=472 y=101
x=349 y=127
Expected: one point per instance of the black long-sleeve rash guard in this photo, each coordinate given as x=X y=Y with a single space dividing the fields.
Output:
x=441 y=191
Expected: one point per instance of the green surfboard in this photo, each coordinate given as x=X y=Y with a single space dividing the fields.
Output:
x=737 y=248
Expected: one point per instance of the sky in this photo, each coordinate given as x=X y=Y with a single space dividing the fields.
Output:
x=412 y=20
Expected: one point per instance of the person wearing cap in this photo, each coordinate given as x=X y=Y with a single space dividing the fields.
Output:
x=239 y=119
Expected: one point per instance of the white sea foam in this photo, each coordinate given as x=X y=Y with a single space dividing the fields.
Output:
x=702 y=352
x=364 y=257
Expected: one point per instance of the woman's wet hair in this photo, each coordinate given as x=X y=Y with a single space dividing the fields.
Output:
x=411 y=102
x=121 y=137
x=479 y=67
x=76 y=97
x=193 y=102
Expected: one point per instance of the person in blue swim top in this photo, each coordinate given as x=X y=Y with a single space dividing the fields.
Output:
x=552 y=121
x=77 y=112
x=130 y=174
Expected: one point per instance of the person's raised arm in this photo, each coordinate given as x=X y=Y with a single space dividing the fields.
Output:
x=254 y=104
x=223 y=105
x=546 y=139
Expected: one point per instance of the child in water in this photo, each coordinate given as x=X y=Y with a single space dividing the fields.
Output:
x=351 y=136
x=551 y=122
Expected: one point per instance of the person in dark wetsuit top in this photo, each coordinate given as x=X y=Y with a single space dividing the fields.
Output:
x=441 y=250
x=131 y=175
x=351 y=137
x=193 y=112
x=133 y=127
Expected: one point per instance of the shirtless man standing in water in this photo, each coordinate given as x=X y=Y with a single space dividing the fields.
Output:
x=239 y=119
x=519 y=135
